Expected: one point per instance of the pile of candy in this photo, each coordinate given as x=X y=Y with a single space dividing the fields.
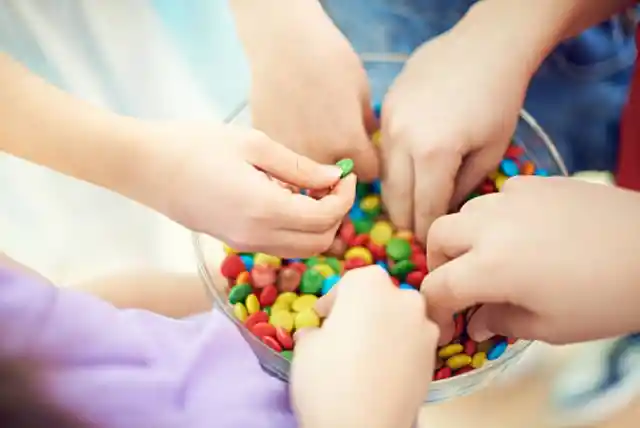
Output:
x=275 y=297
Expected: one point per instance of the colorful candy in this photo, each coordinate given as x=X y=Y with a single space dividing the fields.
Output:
x=274 y=298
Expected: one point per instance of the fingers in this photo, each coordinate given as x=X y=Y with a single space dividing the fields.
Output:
x=301 y=213
x=365 y=159
x=461 y=284
x=397 y=187
x=475 y=168
x=434 y=179
x=501 y=319
x=288 y=166
x=450 y=236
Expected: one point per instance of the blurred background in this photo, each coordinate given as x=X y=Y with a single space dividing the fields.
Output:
x=136 y=57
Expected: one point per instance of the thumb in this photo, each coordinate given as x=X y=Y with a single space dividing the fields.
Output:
x=286 y=165
x=365 y=158
x=502 y=319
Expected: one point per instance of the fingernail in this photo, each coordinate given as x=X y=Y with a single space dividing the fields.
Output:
x=332 y=171
x=480 y=334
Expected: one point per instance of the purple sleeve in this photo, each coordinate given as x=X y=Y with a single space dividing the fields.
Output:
x=130 y=368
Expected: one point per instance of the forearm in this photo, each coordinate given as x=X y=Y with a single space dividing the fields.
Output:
x=47 y=126
x=261 y=22
x=529 y=30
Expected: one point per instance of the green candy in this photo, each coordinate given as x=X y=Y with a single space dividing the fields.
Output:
x=398 y=249
x=362 y=189
x=267 y=310
x=311 y=282
x=363 y=225
x=346 y=165
x=334 y=263
x=312 y=261
x=288 y=355
x=402 y=268
x=239 y=293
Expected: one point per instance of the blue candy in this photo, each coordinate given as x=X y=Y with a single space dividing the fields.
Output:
x=497 y=350
x=356 y=213
x=383 y=265
x=377 y=108
x=404 y=286
x=509 y=167
x=328 y=283
x=248 y=262
x=377 y=187
x=542 y=172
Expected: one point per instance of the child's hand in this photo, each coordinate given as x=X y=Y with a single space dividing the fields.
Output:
x=446 y=123
x=314 y=96
x=554 y=259
x=212 y=182
x=371 y=362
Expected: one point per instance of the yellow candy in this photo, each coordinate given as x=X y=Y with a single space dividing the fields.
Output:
x=450 y=350
x=493 y=175
x=228 y=250
x=252 y=303
x=282 y=319
x=286 y=298
x=280 y=306
x=478 y=360
x=376 y=138
x=324 y=269
x=458 y=361
x=370 y=203
x=361 y=253
x=407 y=235
x=307 y=318
x=302 y=303
x=381 y=232
x=262 y=259
x=240 y=312
x=499 y=181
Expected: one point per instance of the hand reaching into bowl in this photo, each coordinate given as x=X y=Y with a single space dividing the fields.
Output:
x=228 y=182
x=309 y=88
x=356 y=353
x=446 y=123
x=552 y=259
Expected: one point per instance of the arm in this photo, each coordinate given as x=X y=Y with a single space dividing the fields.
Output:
x=47 y=126
x=529 y=31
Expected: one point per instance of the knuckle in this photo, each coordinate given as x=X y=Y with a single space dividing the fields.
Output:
x=434 y=152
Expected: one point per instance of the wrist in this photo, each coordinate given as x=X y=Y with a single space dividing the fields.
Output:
x=508 y=33
x=262 y=24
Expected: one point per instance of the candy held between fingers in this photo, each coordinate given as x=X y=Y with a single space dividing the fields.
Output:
x=276 y=297
x=346 y=165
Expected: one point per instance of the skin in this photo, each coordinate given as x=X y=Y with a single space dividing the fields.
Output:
x=430 y=158
x=223 y=181
x=367 y=306
x=566 y=273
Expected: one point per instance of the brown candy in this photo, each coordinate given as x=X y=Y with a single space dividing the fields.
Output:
x=337 y=249
x=288 y=279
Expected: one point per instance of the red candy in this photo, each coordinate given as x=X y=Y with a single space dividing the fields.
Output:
x=464 y=370
x=263 y=329
x=284 y=338
x=470 y=347
x=268 y=295
x=261 y=276
x=257 y=318
x=442 y=373
x=232 y=266
x=354 y=263
x=377 y=251
x=347 y=231
x=415 y=278
x=271 y=343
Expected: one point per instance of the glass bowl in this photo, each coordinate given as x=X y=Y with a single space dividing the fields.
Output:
x=209 y=253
